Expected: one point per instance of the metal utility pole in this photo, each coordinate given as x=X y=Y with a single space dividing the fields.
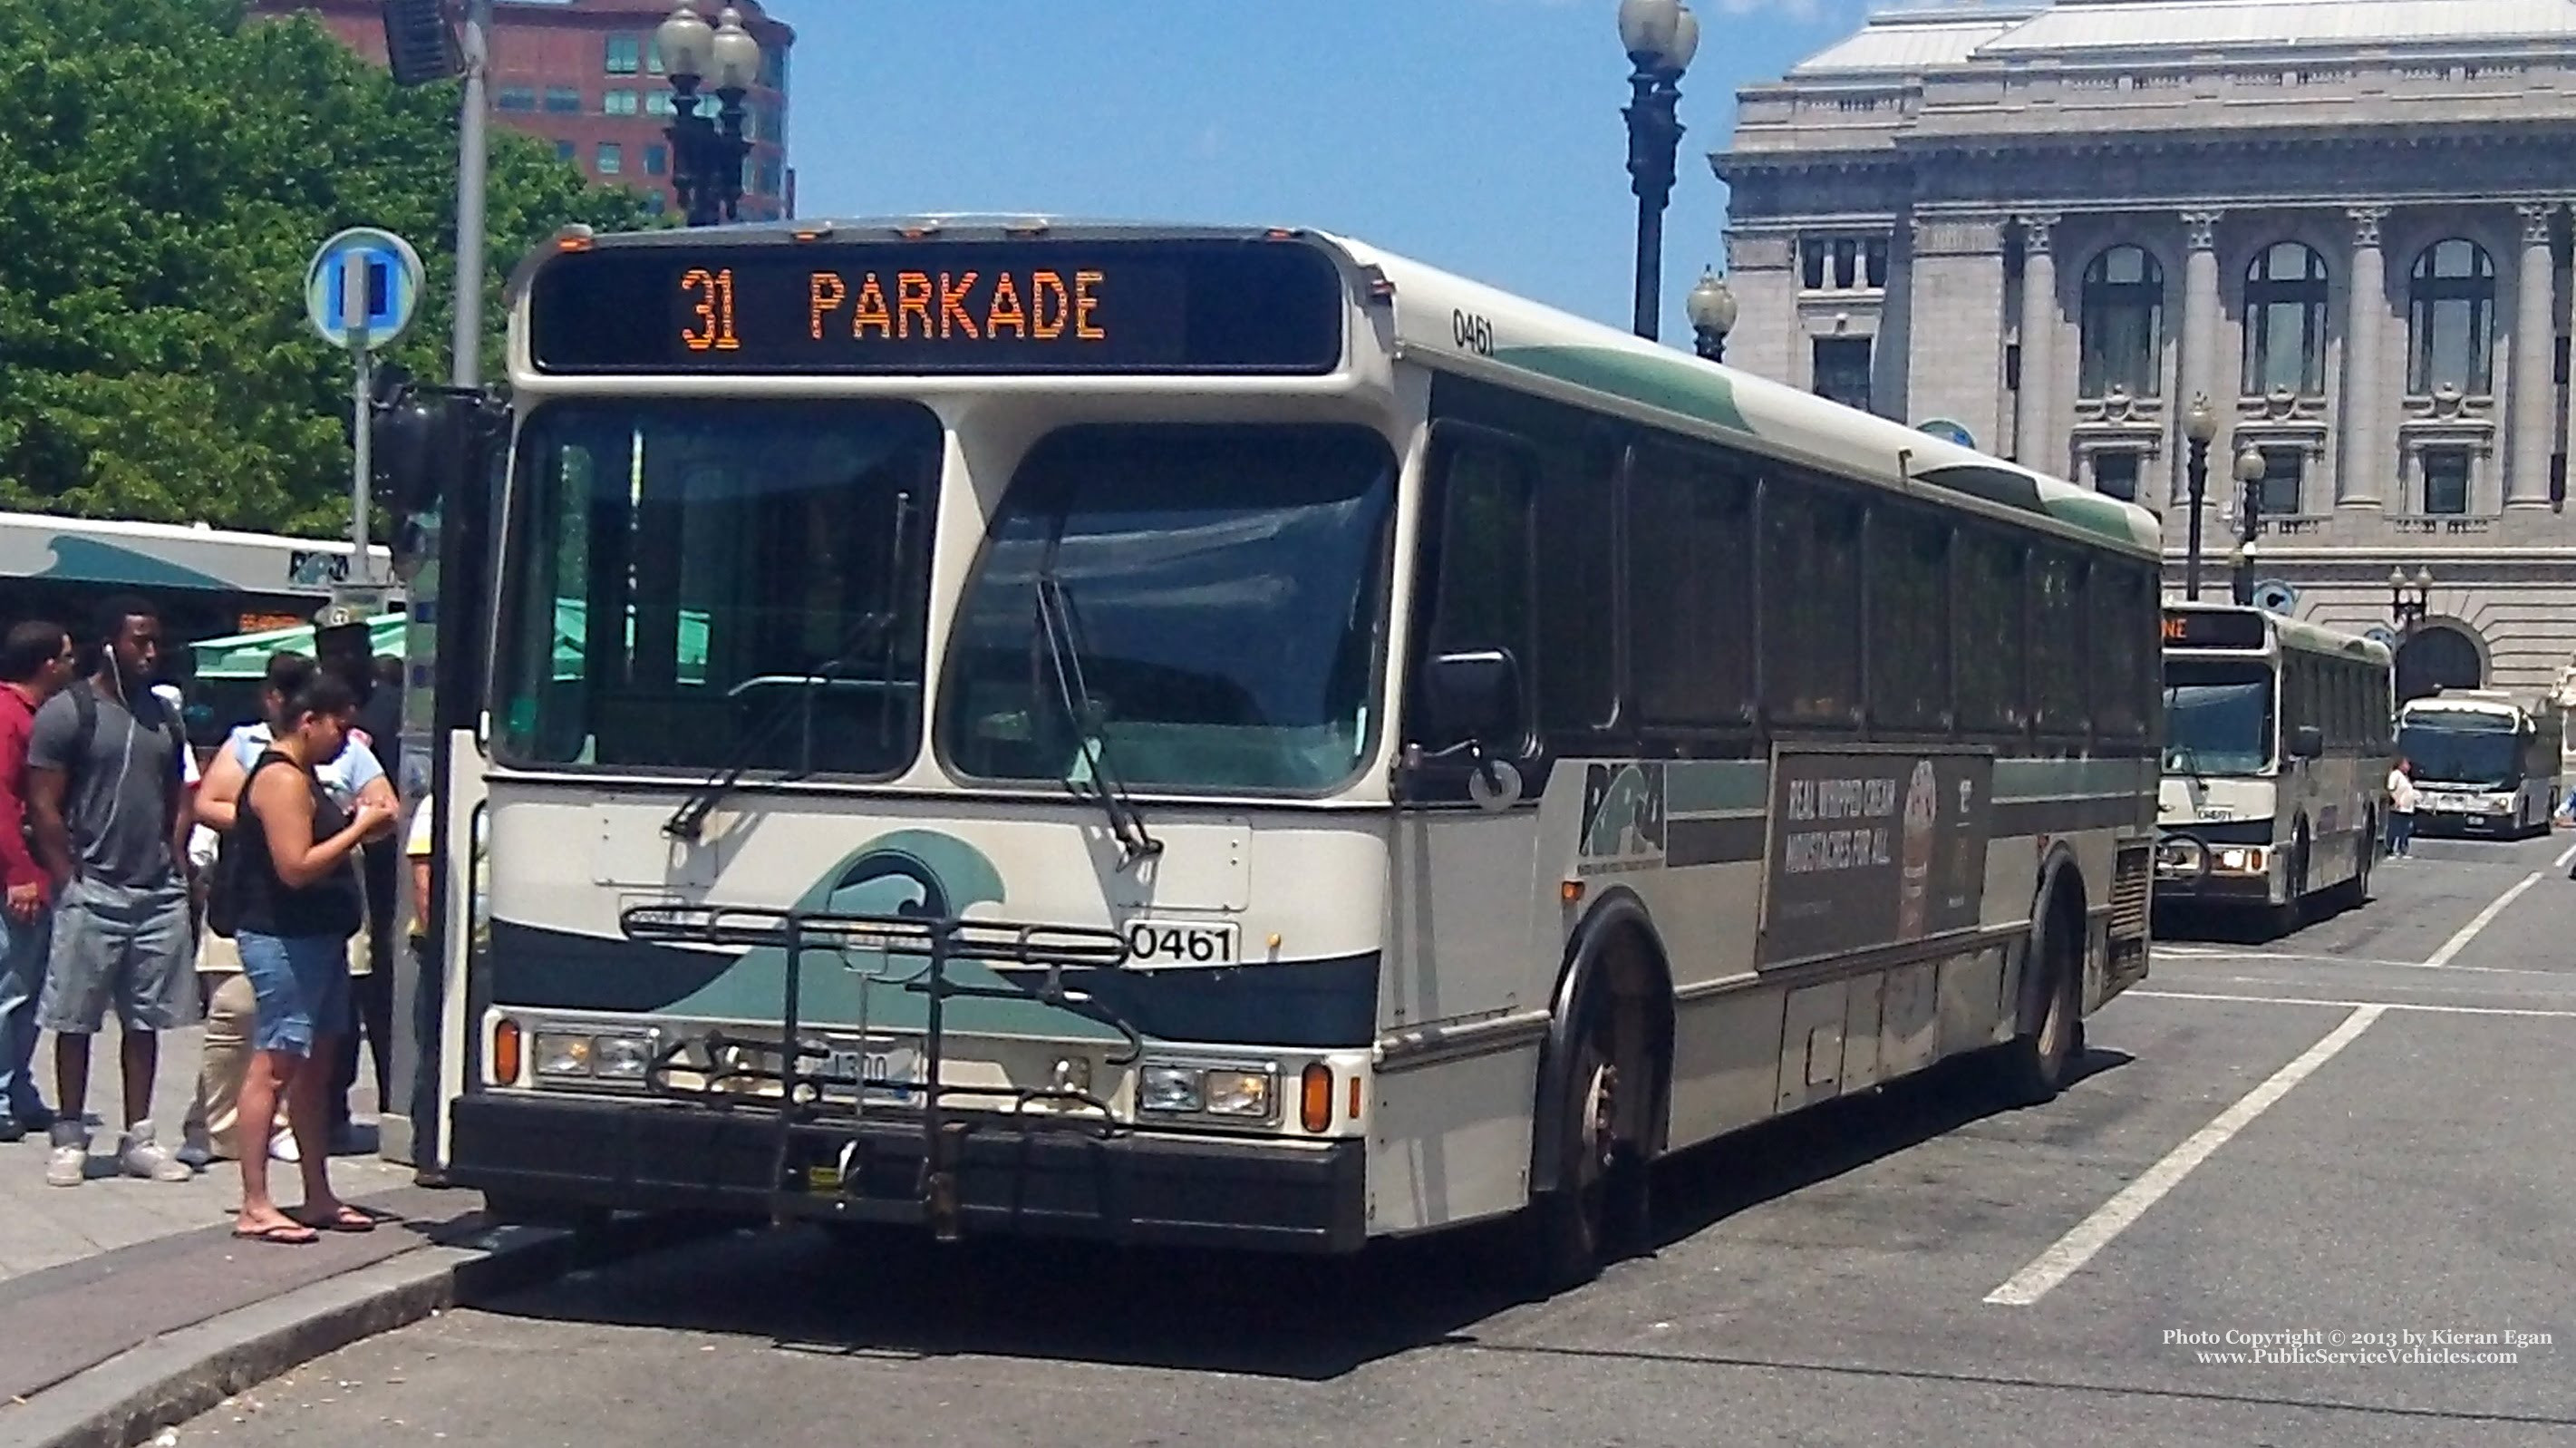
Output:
x=472 y=157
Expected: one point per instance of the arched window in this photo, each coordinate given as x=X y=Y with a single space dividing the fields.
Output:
x=2450 y=318
x=2285 y=321
x=2123 y=323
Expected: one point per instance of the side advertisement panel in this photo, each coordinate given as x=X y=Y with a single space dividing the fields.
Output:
x=1872 y=848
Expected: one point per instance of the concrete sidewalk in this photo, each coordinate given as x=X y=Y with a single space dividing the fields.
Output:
x=42 y=1226
x=115 y=1295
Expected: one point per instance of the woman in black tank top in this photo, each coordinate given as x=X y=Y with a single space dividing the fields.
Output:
x=295 y=897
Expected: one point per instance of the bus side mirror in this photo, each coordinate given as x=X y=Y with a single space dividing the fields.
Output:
x=1473 y=695
x=2308 y=742
x=427 y=443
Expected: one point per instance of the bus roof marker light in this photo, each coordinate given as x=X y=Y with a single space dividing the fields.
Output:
x=820 y=231
x=574 y=237
x=1033 y=226
x=1379 y=287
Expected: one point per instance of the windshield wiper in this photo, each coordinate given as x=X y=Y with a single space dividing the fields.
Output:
x=688 y=822
x=1058 y=626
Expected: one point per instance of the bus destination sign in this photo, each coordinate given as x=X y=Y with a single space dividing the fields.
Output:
x=2193 y=628
x=941 y=307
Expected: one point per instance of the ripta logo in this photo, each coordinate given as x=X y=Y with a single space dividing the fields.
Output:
x=910 y=874
x=1623 y=815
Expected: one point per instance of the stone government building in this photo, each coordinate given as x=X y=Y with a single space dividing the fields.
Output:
x=2344 y=222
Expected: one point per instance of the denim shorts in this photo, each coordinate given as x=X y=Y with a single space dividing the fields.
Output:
x=302 y=986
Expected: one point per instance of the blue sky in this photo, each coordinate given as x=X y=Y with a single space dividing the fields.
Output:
x=1482 y=136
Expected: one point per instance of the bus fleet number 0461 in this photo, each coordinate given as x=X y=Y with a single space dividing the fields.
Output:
x=1157 y=942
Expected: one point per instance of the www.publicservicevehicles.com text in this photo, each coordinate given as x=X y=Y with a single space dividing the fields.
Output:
x=2402 y=1347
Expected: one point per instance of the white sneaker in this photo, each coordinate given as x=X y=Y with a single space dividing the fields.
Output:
x=281 y=1147
x=149 y=1159
x=68 y=1166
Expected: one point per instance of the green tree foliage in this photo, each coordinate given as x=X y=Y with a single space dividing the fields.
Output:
x=169 y=170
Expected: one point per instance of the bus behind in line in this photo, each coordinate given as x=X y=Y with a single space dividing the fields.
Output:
x=2485 y=762
x=2276 y=760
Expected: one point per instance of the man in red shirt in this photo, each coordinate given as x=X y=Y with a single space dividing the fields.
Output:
x=36 y=659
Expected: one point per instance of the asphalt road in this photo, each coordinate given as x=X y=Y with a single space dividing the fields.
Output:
x=2320 y=1135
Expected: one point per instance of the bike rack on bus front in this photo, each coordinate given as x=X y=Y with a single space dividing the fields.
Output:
x=939 y=943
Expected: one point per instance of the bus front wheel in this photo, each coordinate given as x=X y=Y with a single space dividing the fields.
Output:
x=2036 y=1064
x=1601 y=1198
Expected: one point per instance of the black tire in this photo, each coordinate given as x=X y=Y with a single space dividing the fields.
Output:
x=2291 y=913
x=2035 y=1065
x=2355 y=892
x=1602 y=1203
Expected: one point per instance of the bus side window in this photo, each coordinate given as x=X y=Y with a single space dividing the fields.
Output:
x=1480 y=574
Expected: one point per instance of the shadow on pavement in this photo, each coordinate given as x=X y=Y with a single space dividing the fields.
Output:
x=896 y=1294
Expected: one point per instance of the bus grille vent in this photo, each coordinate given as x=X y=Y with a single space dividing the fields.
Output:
x=2132 y=879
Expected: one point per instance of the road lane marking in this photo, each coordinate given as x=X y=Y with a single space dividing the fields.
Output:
x=2428 y=1007
x=2095 y=1232
x=2366 y=961
x=2484 y=918
x=2564 y=856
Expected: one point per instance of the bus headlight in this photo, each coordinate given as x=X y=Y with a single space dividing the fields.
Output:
x=1238 y=1093
x=1170 y=1088
x=1237 y=1089
x=622 y=1058
x=599 y=1055
x=562 y=1054
x=2241 y=861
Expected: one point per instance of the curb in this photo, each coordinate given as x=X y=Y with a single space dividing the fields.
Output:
x=179 y=1375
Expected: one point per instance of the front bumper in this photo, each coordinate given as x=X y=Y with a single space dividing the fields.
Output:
x=1133 y=1187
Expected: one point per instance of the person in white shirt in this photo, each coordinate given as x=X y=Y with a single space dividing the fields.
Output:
x=2401 y=807
x=231 y=1009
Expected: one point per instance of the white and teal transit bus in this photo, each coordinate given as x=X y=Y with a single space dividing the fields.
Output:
x=2483 y=761
x=1214 y=736
x=2278 y=738
x=208 y=582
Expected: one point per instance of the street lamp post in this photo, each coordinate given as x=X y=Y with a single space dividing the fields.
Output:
x=2406 y=602
x=2249 y=514
x=1660 y=37
x=1711 y=306
x=2199 y=427
x=706 y=154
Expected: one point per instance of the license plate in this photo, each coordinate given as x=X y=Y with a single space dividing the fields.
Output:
x=877 y=1061
x=1158 y=942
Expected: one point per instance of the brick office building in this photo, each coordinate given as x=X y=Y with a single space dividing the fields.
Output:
x=584 y=75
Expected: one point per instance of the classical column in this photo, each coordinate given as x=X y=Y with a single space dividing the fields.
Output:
x=2365 y=451
x=1955 y=313
x=2526 y=476
x=2201 y=372
x=2037 y=434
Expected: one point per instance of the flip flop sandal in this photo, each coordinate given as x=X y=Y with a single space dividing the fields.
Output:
x=283 y=1234
x=347 y=1219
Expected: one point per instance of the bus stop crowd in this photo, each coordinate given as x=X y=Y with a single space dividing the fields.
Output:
x=250 y=886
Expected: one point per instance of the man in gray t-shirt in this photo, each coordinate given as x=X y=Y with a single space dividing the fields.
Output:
x=111 y=816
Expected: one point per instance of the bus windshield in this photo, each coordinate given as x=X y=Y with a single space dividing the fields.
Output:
x=2458 y=747
x=1215 y=601
x=683 y=575
x=2218 y=717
